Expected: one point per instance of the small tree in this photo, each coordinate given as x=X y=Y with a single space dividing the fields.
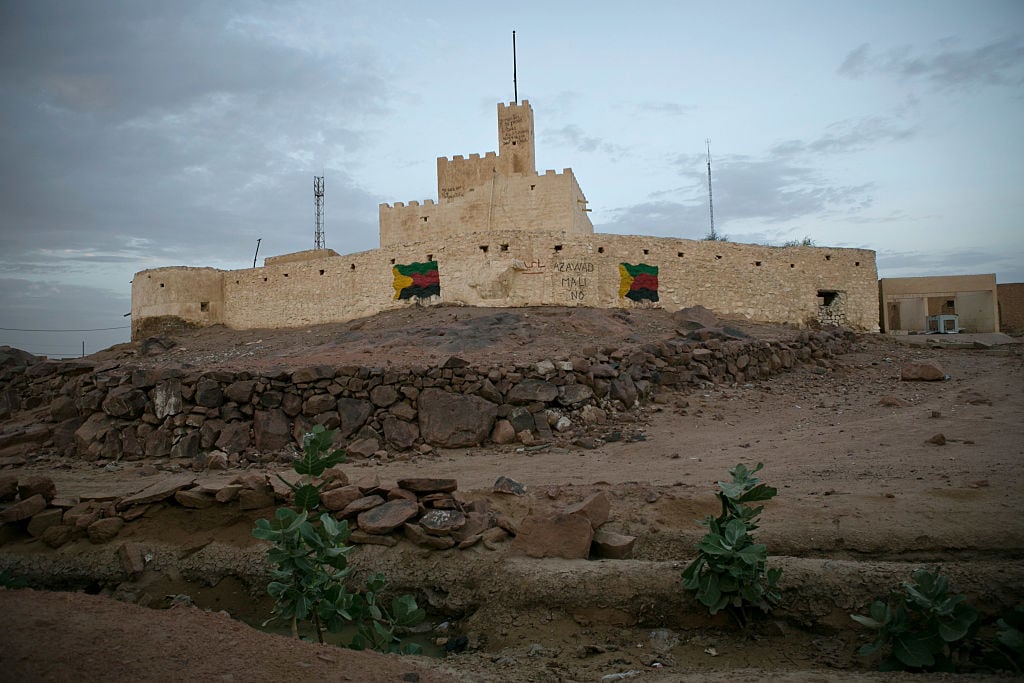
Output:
x=310 y=554
x=729 y=571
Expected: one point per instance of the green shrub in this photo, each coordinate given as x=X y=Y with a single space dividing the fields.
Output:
x=923 y=628
x=1010 y=638
x=310 y=555
x=729 y=571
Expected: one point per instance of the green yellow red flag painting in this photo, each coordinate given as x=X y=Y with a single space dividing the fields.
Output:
x=638 y=282
x=416 y=280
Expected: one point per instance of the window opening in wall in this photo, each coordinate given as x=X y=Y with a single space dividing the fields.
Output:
x=424 y=218
x=950 y=303
x=679 y=254
x=757 y=263
x=646 y=252
x=321 y=271
x=352 y=267
x=792 y=265
x=483 y=248
x=204 y=306
x=430 y=257
x=286 y=274
x=264 y=279
x=856 y=263
x=237 y=282
x=831 y=307
x=558 y=247
x=504 y=247
x=718 y=257
x=392 y=261
x=828 y=257
x=533 y=187
x=161 y=284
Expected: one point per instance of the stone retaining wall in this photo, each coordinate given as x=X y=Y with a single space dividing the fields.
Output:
x=115 y=411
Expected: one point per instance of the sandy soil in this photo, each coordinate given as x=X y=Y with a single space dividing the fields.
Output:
x=850 y=448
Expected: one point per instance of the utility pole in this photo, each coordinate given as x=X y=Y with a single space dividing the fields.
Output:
x=711 y=204
x=318 y=198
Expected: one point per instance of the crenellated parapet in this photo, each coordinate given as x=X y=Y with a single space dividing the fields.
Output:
x=501 y=234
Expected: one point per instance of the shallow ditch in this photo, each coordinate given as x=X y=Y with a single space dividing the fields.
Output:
x=551 y=615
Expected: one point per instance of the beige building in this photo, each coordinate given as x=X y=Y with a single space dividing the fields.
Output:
x=907 y=303
x=501 y=234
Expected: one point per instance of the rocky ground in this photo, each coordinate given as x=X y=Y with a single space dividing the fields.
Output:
x=876 y=476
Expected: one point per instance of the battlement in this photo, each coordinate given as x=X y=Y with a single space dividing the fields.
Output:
x=514 y=105
x=473 y=158
x=413 y=203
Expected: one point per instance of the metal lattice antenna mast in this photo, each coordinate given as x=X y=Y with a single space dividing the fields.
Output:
x=711 y=204
x=318 y=196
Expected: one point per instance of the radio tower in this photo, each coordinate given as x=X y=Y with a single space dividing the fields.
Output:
x=318 y=196
x=711 y=204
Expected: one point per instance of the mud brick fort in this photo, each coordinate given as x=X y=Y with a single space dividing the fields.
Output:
x=500 y=234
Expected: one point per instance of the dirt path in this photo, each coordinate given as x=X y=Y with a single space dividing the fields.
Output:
x=851 y=449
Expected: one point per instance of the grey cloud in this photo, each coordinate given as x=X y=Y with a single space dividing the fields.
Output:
x=775 y=191
x=174 y=134
x=669 y=108
x=31 y=305
x=573 y=136
x=997 y=63
x=660 y=218
x=1008 y=263
x=848 y=136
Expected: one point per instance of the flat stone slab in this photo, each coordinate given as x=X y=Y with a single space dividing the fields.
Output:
x=158 y=490
x=427 y=485
x=387 y=517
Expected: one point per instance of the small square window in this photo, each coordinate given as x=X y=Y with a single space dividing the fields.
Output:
x=321 y=271
x=504 y=247
x=600 y=250
x=646 y=252
x=483 y=248
x=757 y=263
x=558 y=247
x=679 y=254
x=204 y=306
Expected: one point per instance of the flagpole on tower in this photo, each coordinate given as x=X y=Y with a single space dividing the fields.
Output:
x=515 y=84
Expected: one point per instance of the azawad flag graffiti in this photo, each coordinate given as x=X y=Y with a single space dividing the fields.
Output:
x=639 y=282
x=416 y=280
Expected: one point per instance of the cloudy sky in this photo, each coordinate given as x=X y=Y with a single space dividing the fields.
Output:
x=142 y=134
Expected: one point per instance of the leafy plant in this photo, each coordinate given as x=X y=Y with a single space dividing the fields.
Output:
x=9 y=580
x=1010 y=638
x=378 y=626
x=805 y=242
x=729 y=571
x=923 y=628
x=310 y=554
